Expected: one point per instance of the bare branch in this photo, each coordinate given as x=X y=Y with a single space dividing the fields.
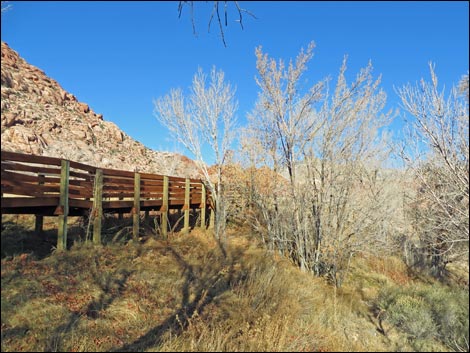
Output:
x=215 y=11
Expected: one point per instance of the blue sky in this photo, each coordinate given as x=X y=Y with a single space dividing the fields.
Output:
x=119 y=56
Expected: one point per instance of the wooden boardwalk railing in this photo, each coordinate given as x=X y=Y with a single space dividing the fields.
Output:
x=47 y=186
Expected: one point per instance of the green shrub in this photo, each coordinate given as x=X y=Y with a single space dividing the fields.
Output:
x=412 y=315
x=450 y=310
x=428 y=312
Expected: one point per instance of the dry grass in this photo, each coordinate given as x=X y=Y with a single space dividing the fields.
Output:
x=185 y=295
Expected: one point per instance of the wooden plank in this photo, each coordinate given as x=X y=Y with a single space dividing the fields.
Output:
x=149 y=182
x=25 y=202
x=118 y=181
x=146 y=176
x=177 y=185
x=157 y=204
x=81 y=183
x=64 y=204
x=81 y=166
x=119 y=187
x=29 y=158
x=115 y=172
x=12 y=166
x=118 y=194
x=43 y=210
x=24 y=190
x=80 y=194
x=81 y=175
x=151 y=195
x=117 y=204
x=136 y=209
x=19 y=176
x=28 y=186
x=98 y=206
x=151 y=191
x=47 y=179
x=117 y=191
x=87 y=204
x=152 y=188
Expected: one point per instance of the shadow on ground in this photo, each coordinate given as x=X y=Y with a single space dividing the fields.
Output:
x=201 y=286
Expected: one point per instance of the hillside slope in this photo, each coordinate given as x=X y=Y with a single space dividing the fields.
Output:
x=183 y=294
x=39 y=117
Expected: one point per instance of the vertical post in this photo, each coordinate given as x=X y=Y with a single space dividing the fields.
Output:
x=136 y=209
x=120 y=215
x=63 y=209
x=164 y=209
x=39 y=221
x=98 y=206
x=186 y=205
x=203 y=206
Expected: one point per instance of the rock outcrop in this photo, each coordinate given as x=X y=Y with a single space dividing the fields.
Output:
x=39 y=117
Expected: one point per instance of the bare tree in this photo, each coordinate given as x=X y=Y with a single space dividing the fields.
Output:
x=221 y=19
x=205 y=118
x=436 y=151
x=332 y=156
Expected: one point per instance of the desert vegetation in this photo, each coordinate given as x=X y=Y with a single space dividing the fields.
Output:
x=319 y=243
x=186 y=294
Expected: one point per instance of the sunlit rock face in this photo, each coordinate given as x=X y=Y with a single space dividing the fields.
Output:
x=39 y=117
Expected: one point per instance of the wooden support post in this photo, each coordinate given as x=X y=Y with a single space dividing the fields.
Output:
x=38 y=224
x=203 y=206
x=98 y=206
x=186 y=205
x=120 y=215
x=164 y=209
x=39 y=221
x=136 y=209
x=63 y=209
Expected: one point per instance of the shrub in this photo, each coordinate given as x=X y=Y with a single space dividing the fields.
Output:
x=428 y=312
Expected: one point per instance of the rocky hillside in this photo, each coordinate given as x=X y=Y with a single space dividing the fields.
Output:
x=39 y=117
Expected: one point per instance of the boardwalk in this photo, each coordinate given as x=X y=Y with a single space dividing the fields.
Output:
x=47 y=186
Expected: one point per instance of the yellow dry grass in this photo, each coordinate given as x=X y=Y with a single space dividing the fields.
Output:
x=183 y=294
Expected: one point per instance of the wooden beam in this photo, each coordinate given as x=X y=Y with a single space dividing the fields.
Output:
x=29 y=158
x=63 y=205
x=39 y=221
x=136 y=209
x=120 y=214
x=98 y=206
x=164 y=208
x=186 y=205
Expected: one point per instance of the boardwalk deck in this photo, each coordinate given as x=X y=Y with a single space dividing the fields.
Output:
x=48 y=186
